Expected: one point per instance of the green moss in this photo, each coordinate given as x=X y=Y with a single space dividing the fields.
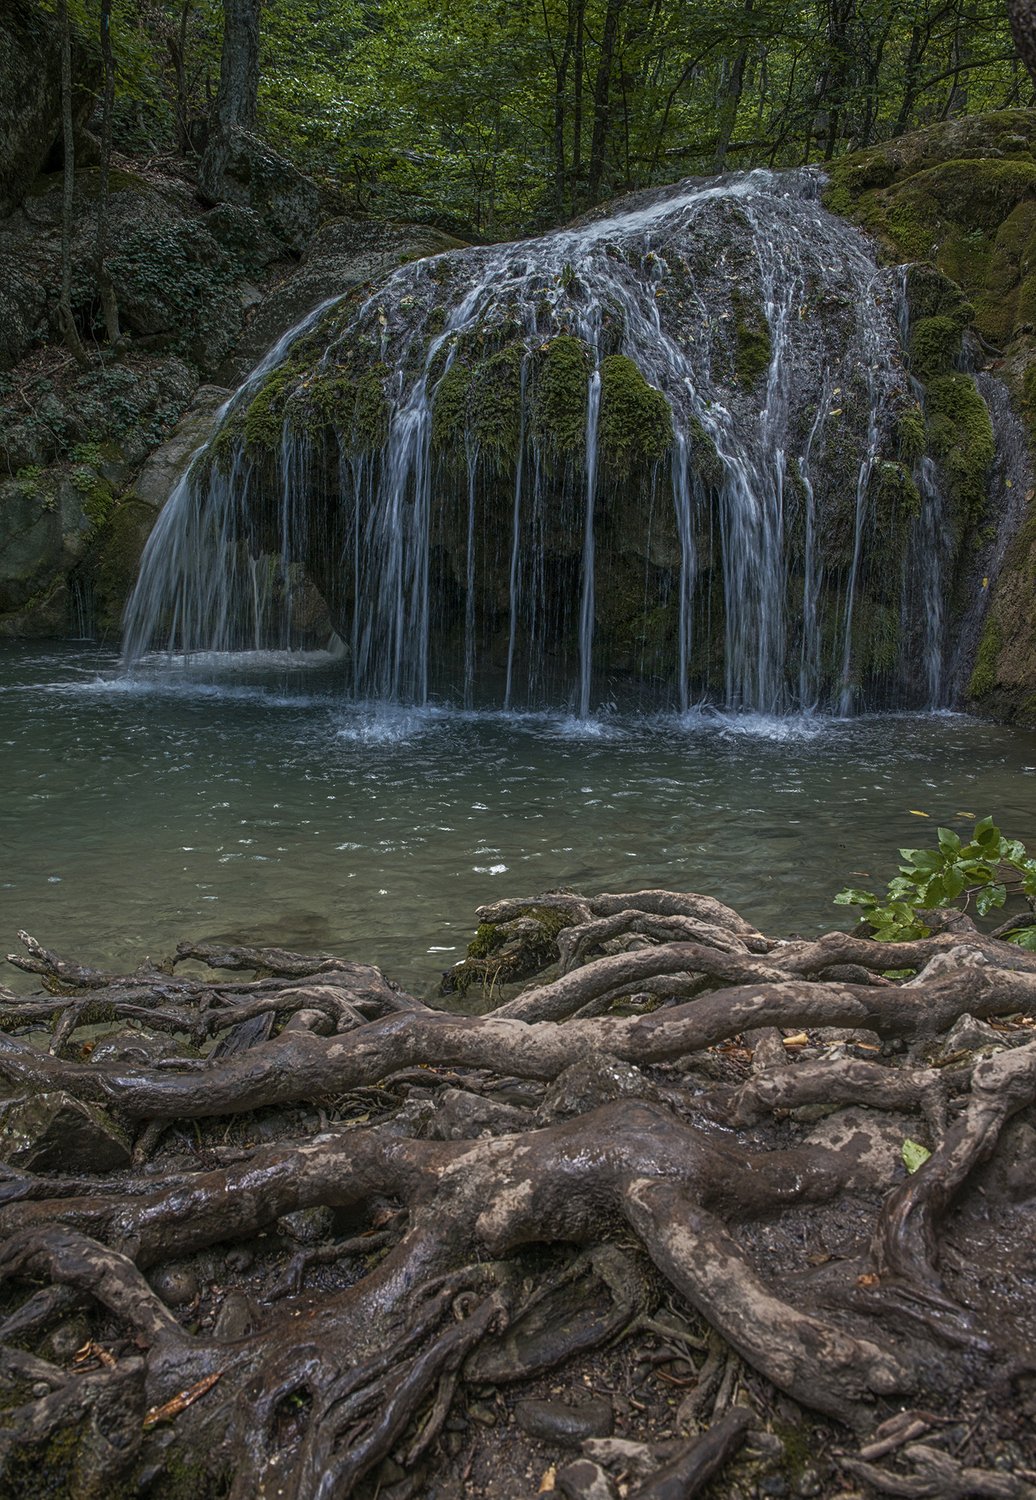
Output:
x=450 y=409
x=486 y=938
x=636 y=421
x=495 y=402
x=371 y=411
x=753 y=348
x=264 y=415
x=911 y=435
x=984 y=673
x=931 y=294
x=110 y=568
x=977 y=194
x=897 y=494
x=960 y=437
x=562 y=378
x=934 y=347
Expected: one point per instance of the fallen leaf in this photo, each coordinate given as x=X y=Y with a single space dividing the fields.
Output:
x=547 y=1482
x=915 y=814
x=800 y=1039
x=868 y=1279
x=180 y=1402
x=914 y=1155
x=89 y=1351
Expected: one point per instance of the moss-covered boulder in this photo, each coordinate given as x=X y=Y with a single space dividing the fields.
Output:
x=959 y=200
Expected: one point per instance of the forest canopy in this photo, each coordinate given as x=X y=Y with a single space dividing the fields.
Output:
x=495 y=117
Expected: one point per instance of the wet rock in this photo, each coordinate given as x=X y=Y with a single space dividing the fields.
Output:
x=55 y=1133
x=157 y=479
x=584 y=1480
x=63 y=1341
x=463 y=1116
x=237 y=1317
x=310 y=1226
x=560 y=1422
x=971 y=1035
x=176 y=1284
x=593 y=1081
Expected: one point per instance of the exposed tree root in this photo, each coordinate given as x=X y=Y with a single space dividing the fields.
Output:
x=413 y=1207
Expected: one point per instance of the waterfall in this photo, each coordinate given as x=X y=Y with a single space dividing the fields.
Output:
x=459 y=472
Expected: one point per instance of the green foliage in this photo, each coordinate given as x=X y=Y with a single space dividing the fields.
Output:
x=985 y=870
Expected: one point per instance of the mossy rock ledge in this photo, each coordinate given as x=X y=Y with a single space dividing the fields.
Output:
x=958 y=200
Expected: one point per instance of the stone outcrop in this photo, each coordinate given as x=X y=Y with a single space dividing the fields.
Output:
x=961 y=198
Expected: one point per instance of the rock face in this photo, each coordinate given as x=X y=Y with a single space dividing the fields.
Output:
x=201 y=291
x=961 y=197
x=30 y=99
x=698 y=445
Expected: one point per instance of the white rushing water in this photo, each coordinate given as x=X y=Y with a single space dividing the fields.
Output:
x=777 y=558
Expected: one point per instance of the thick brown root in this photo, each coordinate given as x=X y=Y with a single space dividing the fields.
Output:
x=454 y=1203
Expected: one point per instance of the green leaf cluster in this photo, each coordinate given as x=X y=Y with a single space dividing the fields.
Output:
x=984 y=871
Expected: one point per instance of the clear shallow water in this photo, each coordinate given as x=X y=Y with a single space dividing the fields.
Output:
x=248 y=800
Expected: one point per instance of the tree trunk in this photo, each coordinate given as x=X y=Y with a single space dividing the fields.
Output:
x=1022 y=15
x=602 y=100
x=238 y=94
x=68 y=326
x=109 y=305
x=237 y=97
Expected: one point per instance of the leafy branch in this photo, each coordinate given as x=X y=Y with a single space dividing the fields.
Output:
x=985 y=870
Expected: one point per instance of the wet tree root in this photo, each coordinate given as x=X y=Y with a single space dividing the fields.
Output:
x=448 y=1204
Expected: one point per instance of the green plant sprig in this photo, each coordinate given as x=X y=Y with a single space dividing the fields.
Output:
x=953 y=874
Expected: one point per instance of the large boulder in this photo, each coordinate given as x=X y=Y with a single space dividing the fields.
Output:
x=344 y=254
x=241 y=169
x=30 y=100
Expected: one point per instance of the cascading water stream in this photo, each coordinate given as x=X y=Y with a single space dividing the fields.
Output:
x=461 y=473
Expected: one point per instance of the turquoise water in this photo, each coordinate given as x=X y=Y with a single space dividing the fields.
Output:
x=248 y=799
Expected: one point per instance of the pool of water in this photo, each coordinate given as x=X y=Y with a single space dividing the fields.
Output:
x=249 y=799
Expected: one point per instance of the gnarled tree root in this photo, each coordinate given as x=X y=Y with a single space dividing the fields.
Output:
x=496 y=1195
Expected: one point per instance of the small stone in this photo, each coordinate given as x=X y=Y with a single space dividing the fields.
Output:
x=970 y=1035
x=240 y=1259
x=53 y=1132
x=177 y=1285
x=65 y=1339
x=237 y=1317
x=308 y=1225
x=483 y=1414
x=808 y=1484
x=569 y=1425
x=773 y=1484
x=584 y=1480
